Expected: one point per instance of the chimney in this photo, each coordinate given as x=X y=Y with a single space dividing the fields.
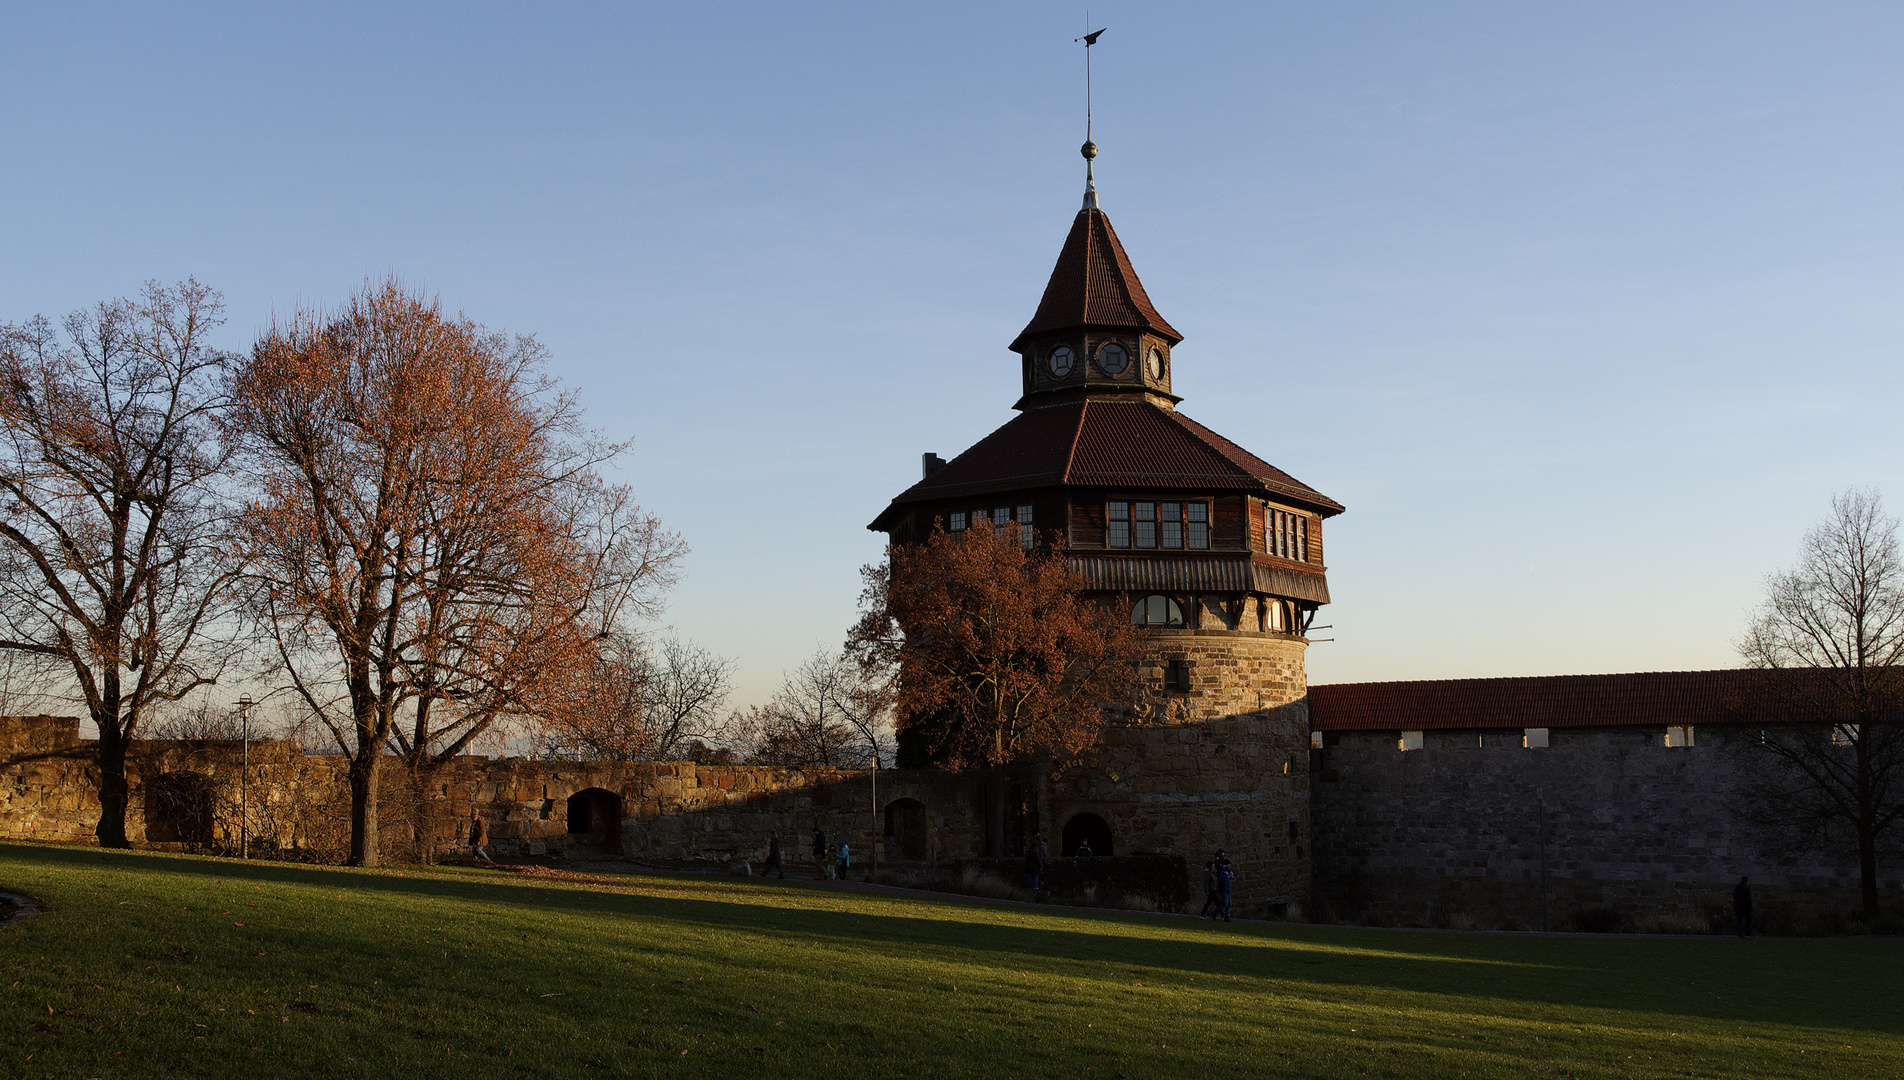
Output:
x=930 y=463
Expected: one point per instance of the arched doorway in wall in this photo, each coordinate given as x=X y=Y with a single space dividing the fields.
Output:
x=906 y=830
x=1084 y=827
x=594 y=822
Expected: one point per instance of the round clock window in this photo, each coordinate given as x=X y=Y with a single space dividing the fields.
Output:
x=1156 y=364
x=1060 y=361
x=1112 y=359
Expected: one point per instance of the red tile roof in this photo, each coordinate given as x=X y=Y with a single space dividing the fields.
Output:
x=1646 y=699
x=1120 y=443
x=1094 y=284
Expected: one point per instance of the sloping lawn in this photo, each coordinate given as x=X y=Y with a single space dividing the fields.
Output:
x=147 y=964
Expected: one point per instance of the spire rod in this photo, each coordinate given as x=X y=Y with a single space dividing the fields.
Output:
x=1089 y=149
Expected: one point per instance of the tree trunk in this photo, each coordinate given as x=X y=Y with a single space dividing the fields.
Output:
x=995 y=812
x=422 y=813
x=114 y=792
x=1868 y=869
x=364 y=769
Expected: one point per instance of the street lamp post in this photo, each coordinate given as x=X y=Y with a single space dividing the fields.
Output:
x=244 y=781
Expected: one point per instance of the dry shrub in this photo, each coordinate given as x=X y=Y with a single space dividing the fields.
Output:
x=992 y=888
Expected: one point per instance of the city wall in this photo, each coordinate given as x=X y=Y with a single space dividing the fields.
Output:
x=1638 y=835
x=189 y=795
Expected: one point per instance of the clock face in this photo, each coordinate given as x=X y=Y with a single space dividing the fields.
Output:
x=1061 y=360
x=1111 y=358
x=1156 y=364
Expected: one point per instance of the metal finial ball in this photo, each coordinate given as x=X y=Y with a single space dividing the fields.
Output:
x=1089 y=150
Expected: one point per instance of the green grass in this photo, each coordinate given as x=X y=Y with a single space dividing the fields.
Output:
x=147 y=964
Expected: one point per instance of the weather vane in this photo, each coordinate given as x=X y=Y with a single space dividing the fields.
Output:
x=1089 y=149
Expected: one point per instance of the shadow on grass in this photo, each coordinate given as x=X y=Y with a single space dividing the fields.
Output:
x=1796 y=982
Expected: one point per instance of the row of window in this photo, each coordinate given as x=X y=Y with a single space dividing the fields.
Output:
x=1172 y=526
x=960 y=520
x=1533 y=738
x=1158 y=525
x=1286 y=535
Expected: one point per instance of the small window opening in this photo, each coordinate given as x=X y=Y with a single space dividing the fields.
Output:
x=1176 y=676
x=1315 y=740
x=1534 y=738
x=1411 y=740
x=1679 y=735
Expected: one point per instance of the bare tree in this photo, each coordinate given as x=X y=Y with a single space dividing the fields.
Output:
x=820 y=716
x=1830 y=636
x=432 y=550
x=111 y=571
x=682 y=695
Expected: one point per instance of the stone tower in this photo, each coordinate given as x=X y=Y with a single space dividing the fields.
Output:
x=1215 y=553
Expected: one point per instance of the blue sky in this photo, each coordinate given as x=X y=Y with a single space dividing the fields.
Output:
x=1584 y=311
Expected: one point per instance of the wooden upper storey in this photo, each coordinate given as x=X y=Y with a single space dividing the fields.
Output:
x=1139 y=495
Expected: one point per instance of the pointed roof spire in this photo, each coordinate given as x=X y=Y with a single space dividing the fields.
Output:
x=1094 y=284
x=1089 y=149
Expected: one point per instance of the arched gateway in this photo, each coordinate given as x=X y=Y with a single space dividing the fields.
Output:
x=594 y=822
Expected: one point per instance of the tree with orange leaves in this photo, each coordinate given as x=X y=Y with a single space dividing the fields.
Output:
x=431 y=549
x=992 y=654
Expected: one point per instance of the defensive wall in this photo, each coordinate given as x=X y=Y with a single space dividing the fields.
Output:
x=189 y=794
x=1647 y=825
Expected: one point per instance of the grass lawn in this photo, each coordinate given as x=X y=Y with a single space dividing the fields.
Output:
x=146 y=964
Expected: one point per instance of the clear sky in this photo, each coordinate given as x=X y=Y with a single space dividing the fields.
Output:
x=1584 y=311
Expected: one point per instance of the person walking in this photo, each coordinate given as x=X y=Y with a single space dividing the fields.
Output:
x=1034 y=862
x=846 y=860
x=832 y=863
x=1742 y=908
x=1209 y=891
x=819 y=854
x=773 y=858
x=478 y=838
x=1225 y=886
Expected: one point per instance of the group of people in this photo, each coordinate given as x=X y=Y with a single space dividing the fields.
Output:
x=1219 y=884
x=830 y=861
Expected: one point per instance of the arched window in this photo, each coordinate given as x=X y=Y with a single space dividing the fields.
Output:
x=1157 y=610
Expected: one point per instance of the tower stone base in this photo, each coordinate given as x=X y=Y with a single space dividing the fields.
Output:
x=1222 y=763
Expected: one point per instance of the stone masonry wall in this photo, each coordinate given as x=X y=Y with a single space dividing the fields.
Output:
x=188 y=795
x=1449 y=834
x=1221 y=765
